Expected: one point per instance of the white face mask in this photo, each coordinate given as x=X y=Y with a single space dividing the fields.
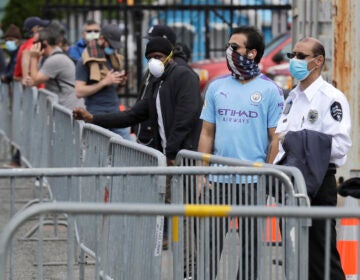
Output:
x=92 y=36
x=156 y=67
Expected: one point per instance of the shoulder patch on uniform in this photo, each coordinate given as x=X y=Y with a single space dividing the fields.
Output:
x=336 y=111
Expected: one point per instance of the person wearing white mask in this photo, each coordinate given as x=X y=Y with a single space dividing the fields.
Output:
x=91 y=31
x=99 y=73
x=172 y=103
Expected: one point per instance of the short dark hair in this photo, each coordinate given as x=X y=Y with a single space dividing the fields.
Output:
x=51 y=35
x=90 y=22
x=255 y=40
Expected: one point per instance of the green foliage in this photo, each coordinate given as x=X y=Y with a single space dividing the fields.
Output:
x=16 y=11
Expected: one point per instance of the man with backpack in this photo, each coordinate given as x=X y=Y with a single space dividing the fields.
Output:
x=56 y=69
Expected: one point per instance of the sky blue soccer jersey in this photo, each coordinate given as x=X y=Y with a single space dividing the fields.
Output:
x=242 y=114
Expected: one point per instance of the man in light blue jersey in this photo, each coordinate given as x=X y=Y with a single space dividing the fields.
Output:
x=240 y=115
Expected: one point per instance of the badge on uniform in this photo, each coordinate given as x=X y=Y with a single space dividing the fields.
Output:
x=287 y=107
x=312 y=116
x=336 y=111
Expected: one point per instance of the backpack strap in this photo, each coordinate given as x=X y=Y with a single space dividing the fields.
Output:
x=57 y=80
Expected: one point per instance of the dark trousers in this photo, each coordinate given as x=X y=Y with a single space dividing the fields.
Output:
x=247 y=229
x=327 y=196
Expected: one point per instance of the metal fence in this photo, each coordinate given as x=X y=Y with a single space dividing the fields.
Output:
x=122 y=247
x=145 y=211
x=47 y=136
x=256 y=190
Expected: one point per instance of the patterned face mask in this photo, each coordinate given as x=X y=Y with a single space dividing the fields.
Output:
x=240 y=66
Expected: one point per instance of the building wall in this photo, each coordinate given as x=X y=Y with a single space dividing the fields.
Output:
x=346 y=74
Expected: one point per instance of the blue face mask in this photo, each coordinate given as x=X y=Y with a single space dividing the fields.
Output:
x=298 y=69
x=109 y=51
x=10 y=46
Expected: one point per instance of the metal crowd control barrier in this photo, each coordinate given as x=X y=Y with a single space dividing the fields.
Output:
x=95 y=143
x=139 y=189
x=28 y=111
x=17 y=115
x=148 y=210
x=116 y=251
x=5 y=109
x=257 y=190
x=102 y=148
x=42 y=125
x=63 y=151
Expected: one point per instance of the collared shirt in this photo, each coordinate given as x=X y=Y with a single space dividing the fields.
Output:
x=320 y=107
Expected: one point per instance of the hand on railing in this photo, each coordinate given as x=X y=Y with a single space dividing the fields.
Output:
x=80 y=113
x=27 y=81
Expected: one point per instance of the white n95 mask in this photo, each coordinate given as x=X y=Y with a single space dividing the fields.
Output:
x=156 y=67
x=92 y=36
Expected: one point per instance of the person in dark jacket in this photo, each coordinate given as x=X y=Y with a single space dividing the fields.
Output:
x=12 y=39
x=144 y=130
x=172 y=103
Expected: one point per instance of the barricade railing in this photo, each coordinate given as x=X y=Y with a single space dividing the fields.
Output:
x=144 y=211
x=95 y=153
x=26 y=130
x=5 y=109
x=259 y=190
x=43 y=125
x=54 y=139
x=17 y=115
x=117 y=231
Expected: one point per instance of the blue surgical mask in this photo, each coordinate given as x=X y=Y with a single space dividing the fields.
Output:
x=11 y=46
x=298 y=69
x=109 y=51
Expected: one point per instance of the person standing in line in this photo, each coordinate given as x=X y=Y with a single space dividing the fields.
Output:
x=316 y=107
x=56 y=69
x=90 y=31
x=172 y=104
x=12 y=39
x=240 y=115
x=99 y=73
x=32 y=25
x=143 y=131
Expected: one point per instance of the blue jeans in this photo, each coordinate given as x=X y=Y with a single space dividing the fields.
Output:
x=123 y=132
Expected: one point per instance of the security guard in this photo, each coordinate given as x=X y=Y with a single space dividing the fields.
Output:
x=317 y=106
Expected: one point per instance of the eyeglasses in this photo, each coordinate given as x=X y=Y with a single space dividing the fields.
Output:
x=298 y=55
x=92 y=31
x=234 y=46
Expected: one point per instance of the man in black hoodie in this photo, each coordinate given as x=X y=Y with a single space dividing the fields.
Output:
x=172 y=103
x=181 y=55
